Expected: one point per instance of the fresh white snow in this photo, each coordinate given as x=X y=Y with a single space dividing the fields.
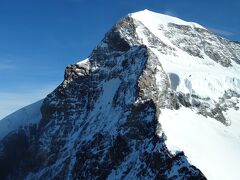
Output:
x=150 y=19
x=209 y=145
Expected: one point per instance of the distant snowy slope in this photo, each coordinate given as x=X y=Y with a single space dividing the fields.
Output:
x=27 y=115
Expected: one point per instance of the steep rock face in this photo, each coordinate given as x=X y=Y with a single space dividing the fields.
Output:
x=104 y=120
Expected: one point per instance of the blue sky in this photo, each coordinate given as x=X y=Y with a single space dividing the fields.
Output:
x=39 y=38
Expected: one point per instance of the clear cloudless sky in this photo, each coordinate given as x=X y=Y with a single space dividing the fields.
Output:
x=39 y=38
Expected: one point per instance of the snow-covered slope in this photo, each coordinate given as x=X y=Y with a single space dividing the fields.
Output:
x=209 y=145
x=25 y=116
x=158 y=98
x=196 y=73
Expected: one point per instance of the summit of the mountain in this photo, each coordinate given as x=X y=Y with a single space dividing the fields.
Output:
x=150 y=17
x=158 y=98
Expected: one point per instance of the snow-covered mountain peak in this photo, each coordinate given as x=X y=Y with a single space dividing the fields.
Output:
x=153 y=19
x=143 y=105
x=198 y=61
x=195 y=68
